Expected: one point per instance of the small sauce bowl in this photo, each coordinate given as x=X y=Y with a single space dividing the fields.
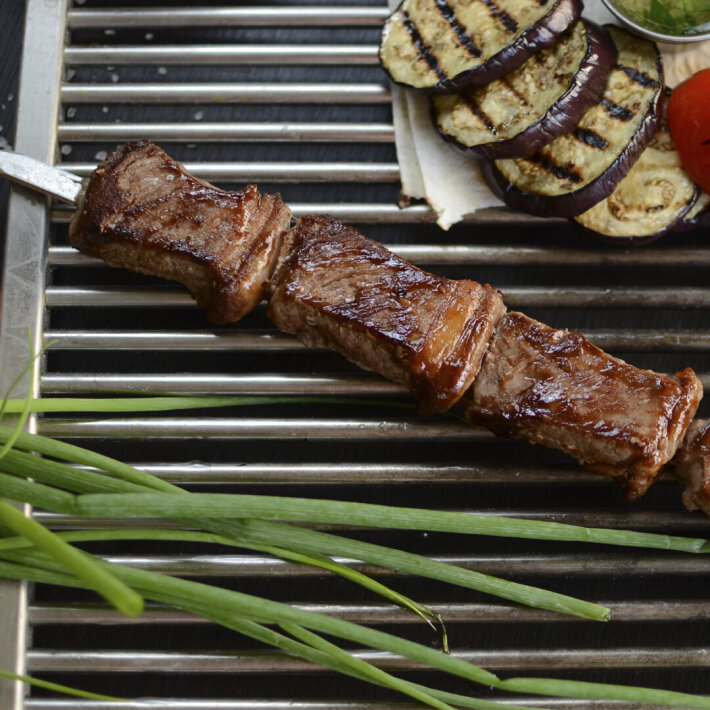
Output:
x=652 y=30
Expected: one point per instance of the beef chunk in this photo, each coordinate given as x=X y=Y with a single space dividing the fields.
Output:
x=141 y=211
x=692 y=466
x=335 y=288
x=555 y=388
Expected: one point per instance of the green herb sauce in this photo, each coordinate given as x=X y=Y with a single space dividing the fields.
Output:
x=675 y=17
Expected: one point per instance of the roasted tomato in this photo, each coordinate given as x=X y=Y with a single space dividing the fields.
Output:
x=689 y=121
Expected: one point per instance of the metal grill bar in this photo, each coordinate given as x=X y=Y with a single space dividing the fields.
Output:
x=176 y=428
x=232 y=384
x=515 y=296
x=474 y=614
x=217 y=55
x=247 y=384
x=191 y=340
x=227 y=132
x=473 y=255
x=349 y=473
x=266 y=93
x=228 y=16
x=531 y=565
x=277 y=172
x=275 y=662
x=558 y=565
x=242 y=384
x=644 y=340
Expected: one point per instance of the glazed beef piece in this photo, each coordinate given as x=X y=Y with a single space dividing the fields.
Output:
x=141 y=211
x=692 y=466
x=335 y=288
x=555 y=388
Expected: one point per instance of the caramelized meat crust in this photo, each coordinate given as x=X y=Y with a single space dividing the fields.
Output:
x=335 y=288
x=141 y=211
x=692 y=466
x=555 y=388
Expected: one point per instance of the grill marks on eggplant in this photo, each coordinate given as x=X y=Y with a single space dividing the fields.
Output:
x=424 y=53
x=480 y=114
x=545 y=97
x=639 y=77
x=508 y=84
x=561 y=172
x=502 y=16
x=445 y=45
x=590 y=138
x=623 y=114
x=447 y=12
x=655 y=196
x=626 y=118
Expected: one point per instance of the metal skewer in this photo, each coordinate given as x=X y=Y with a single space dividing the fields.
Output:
x=37 y=175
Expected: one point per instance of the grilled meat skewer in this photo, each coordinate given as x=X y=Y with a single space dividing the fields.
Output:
x=448 y=341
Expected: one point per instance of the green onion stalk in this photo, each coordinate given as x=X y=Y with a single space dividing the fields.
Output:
x=232 y=609
x=157 y=403
x=253 y=532
x=59 y=688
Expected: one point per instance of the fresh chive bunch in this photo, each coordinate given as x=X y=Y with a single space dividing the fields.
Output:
x=72 y=480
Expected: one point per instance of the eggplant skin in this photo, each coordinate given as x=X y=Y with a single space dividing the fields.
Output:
x=697 y=216
x=564 y=200
x=586 y=88
x=476 y=69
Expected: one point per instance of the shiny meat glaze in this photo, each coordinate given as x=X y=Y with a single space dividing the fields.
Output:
x=335 y=288
x=555 y=388
x=141 y=211
x=692 y=466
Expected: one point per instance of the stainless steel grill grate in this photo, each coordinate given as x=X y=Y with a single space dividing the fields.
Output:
x=291 y=96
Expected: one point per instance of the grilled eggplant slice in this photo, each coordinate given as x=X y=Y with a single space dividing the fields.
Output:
x=651 y=200
x=544 y=98
x=440 y=46
x=577 y=170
